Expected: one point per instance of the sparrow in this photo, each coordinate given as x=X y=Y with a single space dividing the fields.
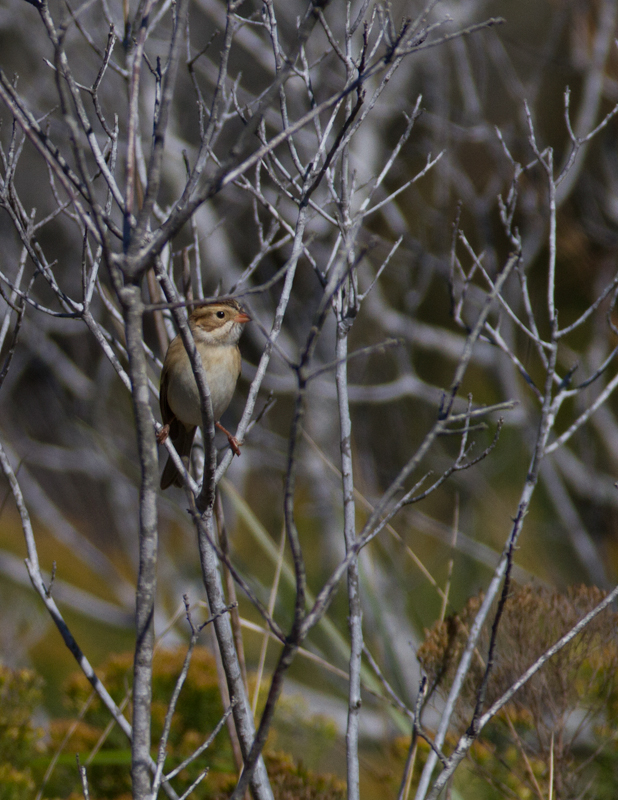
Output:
x=216 y=329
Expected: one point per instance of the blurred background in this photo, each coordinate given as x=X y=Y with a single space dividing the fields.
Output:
x=66 y=419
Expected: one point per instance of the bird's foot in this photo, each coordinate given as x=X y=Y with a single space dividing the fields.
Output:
x=234 y=444
x=233 y=441
x=163 y=434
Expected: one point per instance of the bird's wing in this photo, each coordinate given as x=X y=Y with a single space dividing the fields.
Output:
x=167 y=415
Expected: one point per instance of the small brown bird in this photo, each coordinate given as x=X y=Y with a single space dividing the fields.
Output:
x=216 y=328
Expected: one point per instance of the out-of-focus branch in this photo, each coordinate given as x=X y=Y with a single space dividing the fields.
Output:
x=592 y=95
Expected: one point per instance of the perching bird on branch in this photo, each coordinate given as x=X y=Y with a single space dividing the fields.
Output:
x=216 y=328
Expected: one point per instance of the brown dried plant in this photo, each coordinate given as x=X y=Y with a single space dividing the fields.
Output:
x=564 y=715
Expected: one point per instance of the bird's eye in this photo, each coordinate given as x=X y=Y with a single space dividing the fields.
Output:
x=220 y=314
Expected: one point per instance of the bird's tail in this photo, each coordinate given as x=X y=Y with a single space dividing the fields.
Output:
x=182 y=442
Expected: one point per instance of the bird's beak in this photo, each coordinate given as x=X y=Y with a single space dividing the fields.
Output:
x=242 y=317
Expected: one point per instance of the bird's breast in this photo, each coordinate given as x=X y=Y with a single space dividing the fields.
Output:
x=222 y=367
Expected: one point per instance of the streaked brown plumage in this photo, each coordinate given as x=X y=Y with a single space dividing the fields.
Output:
x=216 y=328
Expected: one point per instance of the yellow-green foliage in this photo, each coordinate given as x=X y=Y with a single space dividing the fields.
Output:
x=197 y=712
x=20 y=693
x=290 y=781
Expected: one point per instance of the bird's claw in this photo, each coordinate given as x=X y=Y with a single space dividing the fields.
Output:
x=234 y=444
